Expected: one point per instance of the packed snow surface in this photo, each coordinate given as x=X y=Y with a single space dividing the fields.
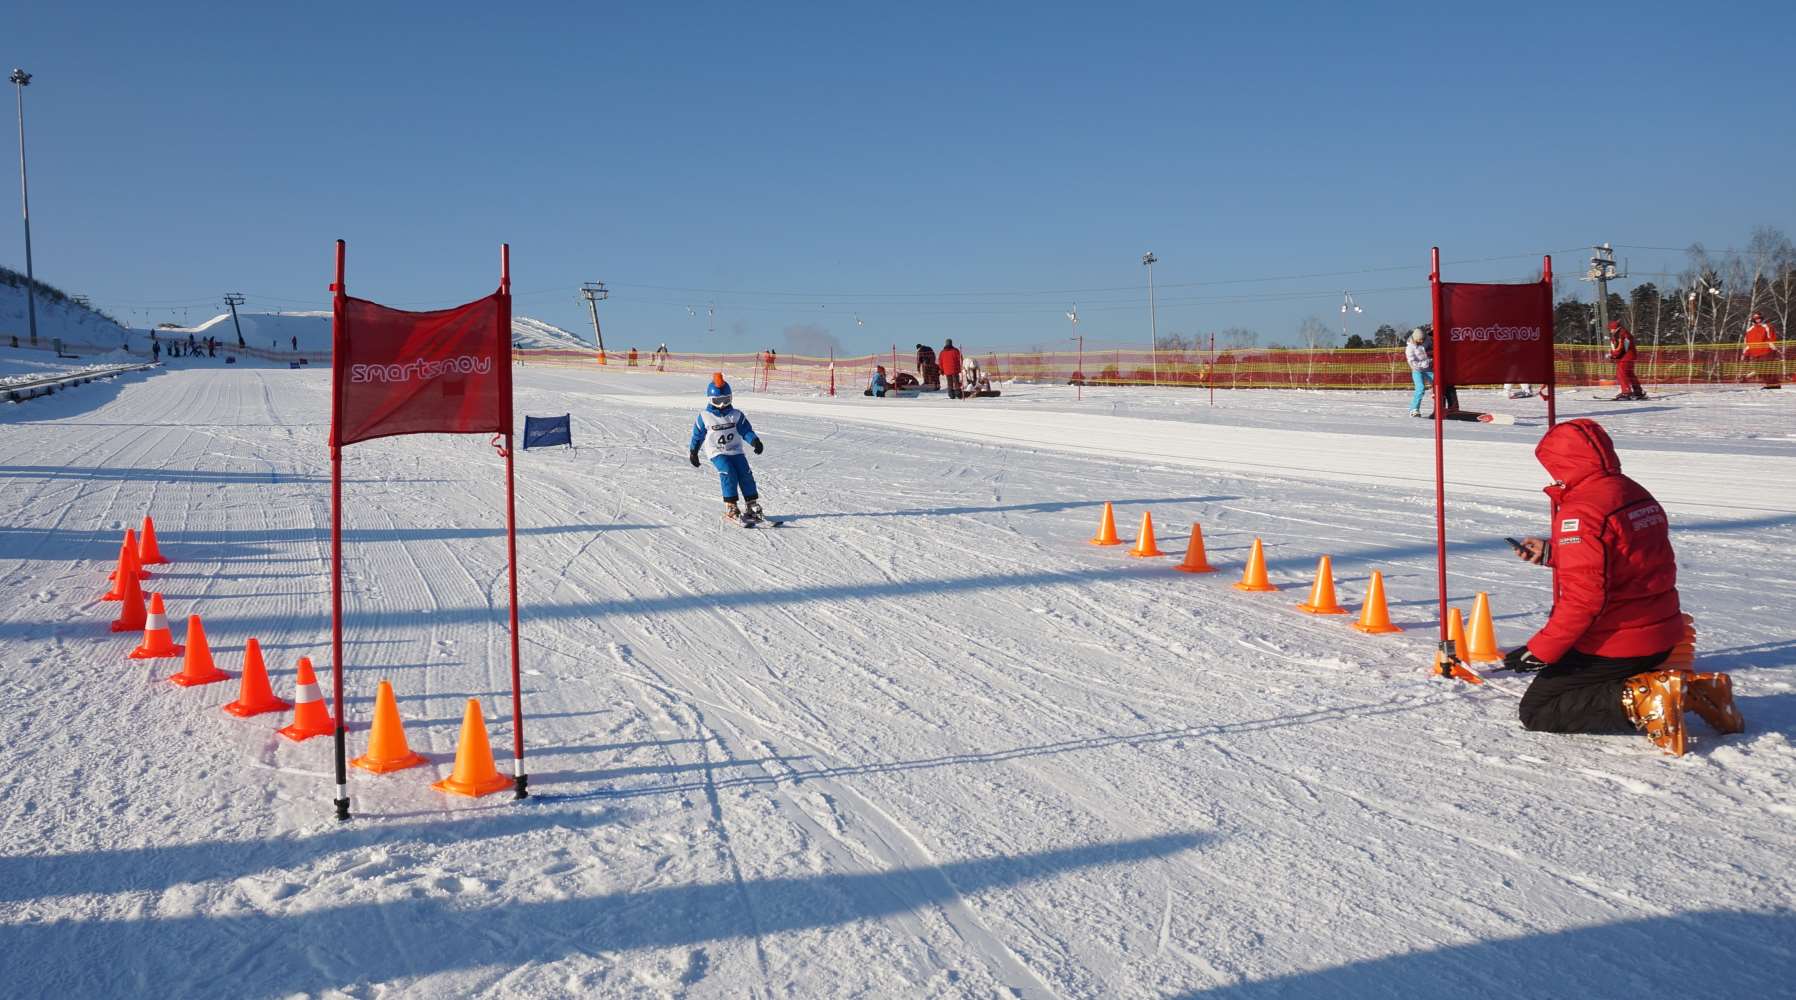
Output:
x=922 y=741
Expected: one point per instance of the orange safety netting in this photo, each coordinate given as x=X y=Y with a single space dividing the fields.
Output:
x=1254 y=368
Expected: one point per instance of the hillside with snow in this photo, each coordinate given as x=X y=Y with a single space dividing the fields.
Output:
x=275 y=337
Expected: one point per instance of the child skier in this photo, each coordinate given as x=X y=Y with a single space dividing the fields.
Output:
x=722 y=429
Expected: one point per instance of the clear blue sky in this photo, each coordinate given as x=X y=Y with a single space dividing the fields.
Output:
x=806 y=164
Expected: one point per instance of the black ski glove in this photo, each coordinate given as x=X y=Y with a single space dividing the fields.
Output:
x=1522 y=660
x=756 y=445
x=692 y=456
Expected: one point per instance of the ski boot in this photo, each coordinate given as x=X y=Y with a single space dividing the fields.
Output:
x=753 y=513
x=1712 y=697
x=730 y=511
x=1415 y=413
x=1655 y=705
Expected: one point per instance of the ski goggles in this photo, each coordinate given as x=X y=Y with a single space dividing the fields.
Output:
x=721 y=402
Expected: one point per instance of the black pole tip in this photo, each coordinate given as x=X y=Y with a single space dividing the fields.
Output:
x=523 y=791
x=342 y=809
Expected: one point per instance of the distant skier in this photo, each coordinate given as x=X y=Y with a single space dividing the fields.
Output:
x=722 y=430
x=296 y=343
x=155 y=350
x=660 y=356
x=1616 y=616
x=1421 y=368
x=1623 y=353
x=950 y=360
x=632 y=357
x=1760 y=346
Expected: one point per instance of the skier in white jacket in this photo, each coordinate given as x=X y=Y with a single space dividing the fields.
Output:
x=1421 y=369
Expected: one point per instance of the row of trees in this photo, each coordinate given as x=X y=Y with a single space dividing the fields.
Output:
x=1709 y=301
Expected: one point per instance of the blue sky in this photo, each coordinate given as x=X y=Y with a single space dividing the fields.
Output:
x=959 y=170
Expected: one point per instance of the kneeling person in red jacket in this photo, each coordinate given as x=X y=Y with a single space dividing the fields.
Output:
x=1615 y=615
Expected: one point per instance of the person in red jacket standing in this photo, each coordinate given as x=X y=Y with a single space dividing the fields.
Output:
x=1615 y=615
x=1761 y=346
x=1622 y=352
x=950 y=362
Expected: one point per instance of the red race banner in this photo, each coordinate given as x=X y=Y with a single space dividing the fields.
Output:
x=442 y=372
x=1490 y=334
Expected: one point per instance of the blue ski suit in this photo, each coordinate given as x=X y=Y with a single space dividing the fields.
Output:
x=723 y=433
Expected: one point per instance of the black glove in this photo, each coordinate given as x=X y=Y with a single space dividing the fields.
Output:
x=756 y=445
x=692 y=456
x=1522 y=660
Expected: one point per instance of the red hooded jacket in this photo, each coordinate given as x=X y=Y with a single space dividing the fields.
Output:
x=1614 y=575
x=950 y=361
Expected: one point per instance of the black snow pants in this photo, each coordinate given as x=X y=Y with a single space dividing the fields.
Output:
x=1582 y=693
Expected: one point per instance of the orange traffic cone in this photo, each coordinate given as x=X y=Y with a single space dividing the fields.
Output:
x=254 y=695
x=1144 y=545
x=1254 y=577
x=1483 y=633
x=198 y=667
x=1374 y=617
x=158 y=641
x=130 y=614
x=1322 y=592
x=127 y=566
x=148 y=554
x=387 y=749
x=1107 y=528
x=1456 y=631
x=1195 y=561
x=310 y=717
x=474 y=773
x=128 y=547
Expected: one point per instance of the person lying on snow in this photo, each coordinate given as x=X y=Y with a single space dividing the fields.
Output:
x=1616 y=616
x=722 y=430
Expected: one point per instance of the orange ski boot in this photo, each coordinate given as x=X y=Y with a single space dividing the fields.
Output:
x=1655 y=705
x=1712 y=697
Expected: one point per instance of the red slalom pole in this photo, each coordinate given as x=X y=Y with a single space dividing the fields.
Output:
x=1212 y=375
x=339 y=351
x=1546 y=276
x=1440 y=466
x=521 y=779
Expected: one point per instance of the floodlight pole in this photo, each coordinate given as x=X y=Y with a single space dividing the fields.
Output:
x=1153 y=320
x=21 y=80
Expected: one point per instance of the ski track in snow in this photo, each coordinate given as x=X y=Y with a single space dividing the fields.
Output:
x=922 y=741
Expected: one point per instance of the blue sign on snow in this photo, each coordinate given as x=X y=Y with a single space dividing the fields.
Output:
x=540 y=432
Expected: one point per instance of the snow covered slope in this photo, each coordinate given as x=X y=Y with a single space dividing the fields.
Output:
x=313 y=331
x=924 y=741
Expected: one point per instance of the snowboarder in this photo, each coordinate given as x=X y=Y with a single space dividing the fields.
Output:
x=950 y=362
x=1761 y=346
x=1622 y=352
x=1616 y=615
x=722 y=430
x=878 y=386
x=1421 y=368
